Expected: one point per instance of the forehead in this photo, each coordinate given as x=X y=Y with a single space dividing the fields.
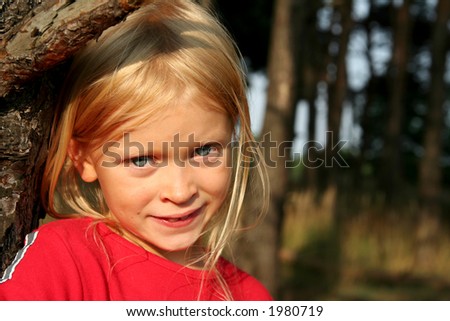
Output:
x=165 y=109
x=186 y=120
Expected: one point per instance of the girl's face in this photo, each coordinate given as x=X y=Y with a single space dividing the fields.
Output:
x=165 y=180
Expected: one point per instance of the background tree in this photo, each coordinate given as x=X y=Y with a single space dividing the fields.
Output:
x=311 y=71
x=338 y=82
x=382 y=97
x=391 y=167
x=263 y=243
x=430 y=176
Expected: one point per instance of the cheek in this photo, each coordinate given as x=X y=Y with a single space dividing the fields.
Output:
x=119 y=191
x=219 y=183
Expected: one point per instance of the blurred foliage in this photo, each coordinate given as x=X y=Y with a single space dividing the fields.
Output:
x=250 y=23
x=351 y=240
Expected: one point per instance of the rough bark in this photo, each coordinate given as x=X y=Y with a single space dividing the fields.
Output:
x=24 y=129
x=50 y=32
x=37 y=37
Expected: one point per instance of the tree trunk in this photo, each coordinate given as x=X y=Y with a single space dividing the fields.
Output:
x=44 y=35
x=311 y=69
x=311 y=172
x=370 y=93
x=391 y=167
x=338 y=88
x=430 y=176
x=277 y=136
x=25 y=121
x=37 y=37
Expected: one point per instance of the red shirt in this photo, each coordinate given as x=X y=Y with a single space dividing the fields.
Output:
x=73 y=259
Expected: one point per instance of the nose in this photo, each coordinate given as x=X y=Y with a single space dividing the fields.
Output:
x=178 y=184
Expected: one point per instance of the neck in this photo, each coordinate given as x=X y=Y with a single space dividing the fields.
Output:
x=191 y=257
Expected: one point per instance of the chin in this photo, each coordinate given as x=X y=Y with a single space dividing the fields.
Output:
x=178 y=247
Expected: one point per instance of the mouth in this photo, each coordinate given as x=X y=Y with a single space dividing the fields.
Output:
x=179 y=220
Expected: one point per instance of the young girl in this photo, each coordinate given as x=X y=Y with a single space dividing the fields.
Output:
x=152 y=148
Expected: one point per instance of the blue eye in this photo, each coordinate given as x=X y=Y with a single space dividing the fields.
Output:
x=142 y=161
x=204 y=150
x=209 y=150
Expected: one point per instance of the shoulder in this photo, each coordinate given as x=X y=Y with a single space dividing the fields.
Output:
x=69 y=231
x=57 y=237
x=48 y=264
x=67 y=226
x=79 y=236
x=60 y=241
x=243 y=286
x=57 y=232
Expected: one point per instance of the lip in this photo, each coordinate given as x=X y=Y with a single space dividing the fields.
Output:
x=178 y=220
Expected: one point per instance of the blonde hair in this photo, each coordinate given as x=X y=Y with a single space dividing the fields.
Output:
x=159 y=51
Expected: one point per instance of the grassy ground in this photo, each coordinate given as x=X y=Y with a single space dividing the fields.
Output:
x=367 y=253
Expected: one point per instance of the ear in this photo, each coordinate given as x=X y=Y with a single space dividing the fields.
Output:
x=82 y=161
